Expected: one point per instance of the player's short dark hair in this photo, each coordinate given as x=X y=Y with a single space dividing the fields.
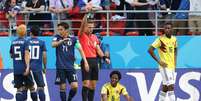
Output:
x=116 y=72
x=168 y=23
x=35 y=30
x=64 y=24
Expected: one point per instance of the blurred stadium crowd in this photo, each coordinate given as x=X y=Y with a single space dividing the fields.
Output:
x=122 y=17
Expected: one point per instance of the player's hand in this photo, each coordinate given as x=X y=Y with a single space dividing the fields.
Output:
x=86 y=66
x=162 y=64
x=44 y=69
x=26 y=72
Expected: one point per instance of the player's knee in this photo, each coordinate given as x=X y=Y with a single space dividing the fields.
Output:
x=31 y=88
x=20 y=89
x=62 y=86
x=74 y=85
x=93 y=85
x=165 y=88
x=170 y=87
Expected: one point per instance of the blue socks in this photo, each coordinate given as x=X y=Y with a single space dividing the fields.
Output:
x=34 y=96
x=19 y=96
x=41 y=94
x=63 y=95
x=72 y=94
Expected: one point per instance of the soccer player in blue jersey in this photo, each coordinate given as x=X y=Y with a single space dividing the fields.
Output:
x=37 y=55
x=65 y=57
x=22 y=79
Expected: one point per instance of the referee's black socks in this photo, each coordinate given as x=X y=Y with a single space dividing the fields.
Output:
x=91 y=94
x=85 y=91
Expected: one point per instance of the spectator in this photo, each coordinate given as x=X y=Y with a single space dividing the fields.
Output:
x=59 y=9
x=35 y=6
x=142 y=25
x=194 y=18
x=168 y=5
x=90 y=5
x=11 y=10
x=181 y=18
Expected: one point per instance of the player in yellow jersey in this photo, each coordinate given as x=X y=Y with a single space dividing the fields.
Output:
x=112 y=90
x=167 y=50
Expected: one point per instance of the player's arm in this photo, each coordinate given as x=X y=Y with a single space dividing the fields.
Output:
x=153 y=55
x=101 y=54
x=56 y=43
x=79 y=47
x=175 y=56
x=11 y=52
x=128 y=98
x=83 y=25
x=104 y=93
x=44 y=61
x=104 y=97
x=27 y=61
x=151 y=52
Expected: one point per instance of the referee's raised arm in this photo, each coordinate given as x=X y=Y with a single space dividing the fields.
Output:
x=83 y=24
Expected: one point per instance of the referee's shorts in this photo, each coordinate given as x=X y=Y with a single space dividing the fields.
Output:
x=93 y=69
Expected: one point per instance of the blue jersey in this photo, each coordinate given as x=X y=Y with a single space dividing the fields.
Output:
x=65 y=53
x=17 y=51
x=36 y=48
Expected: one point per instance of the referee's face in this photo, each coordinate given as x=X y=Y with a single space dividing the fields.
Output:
x=90 y=28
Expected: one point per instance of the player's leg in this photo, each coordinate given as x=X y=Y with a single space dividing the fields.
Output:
x=85 y=81
x=38 y=76
x=164 y=90
x=29 y=84
x=171 y=94
x=61 y=81
x=18 y=83
x=171 y=78
x=72 y=79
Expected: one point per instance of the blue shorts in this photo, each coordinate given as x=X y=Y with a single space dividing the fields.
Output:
x=21 y=80
x=38 y=77
x=63 y=74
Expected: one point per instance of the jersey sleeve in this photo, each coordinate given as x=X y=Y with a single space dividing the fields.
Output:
x=156 y=43
x=104 y=90
x=77 y=44
x=55 y=38
x=124 y=91
x=44 y=47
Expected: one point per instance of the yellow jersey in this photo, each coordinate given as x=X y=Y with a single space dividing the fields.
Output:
x=166 y=50
x=113 y=93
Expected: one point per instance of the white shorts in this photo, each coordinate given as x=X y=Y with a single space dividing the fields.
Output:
x=168 y=76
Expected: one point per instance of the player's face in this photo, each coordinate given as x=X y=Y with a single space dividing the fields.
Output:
x=168 y=30
x=61 y=30
x=114 y=79
x=89 y=28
